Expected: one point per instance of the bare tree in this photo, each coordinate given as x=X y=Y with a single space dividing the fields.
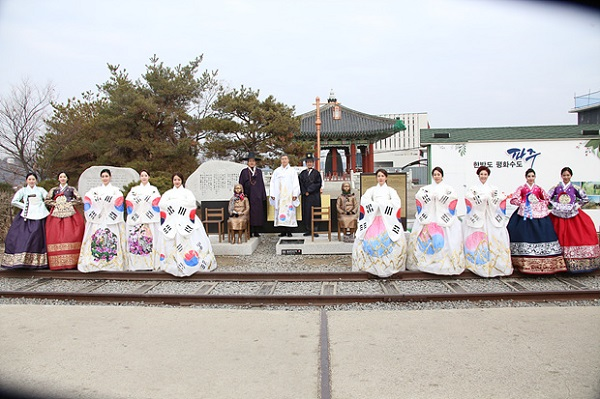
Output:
x=22 y=122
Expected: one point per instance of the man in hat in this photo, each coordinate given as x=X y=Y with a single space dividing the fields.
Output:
x=284 y=192
x=310 y=189
x=251 y=179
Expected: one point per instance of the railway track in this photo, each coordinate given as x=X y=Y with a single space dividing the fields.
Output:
x=290 y=289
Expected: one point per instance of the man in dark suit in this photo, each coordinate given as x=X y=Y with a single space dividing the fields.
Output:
x=251 y=179
x=310 y=190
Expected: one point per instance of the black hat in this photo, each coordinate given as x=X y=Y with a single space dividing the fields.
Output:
x=309 y=157
x=250 y=156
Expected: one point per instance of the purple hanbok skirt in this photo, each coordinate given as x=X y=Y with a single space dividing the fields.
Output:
x=25 y=246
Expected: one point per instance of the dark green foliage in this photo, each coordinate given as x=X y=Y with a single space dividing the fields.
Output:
x=147 y=123
x=242 y=122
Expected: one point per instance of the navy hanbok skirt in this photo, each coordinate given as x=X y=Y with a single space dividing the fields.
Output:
x=25 y=246
x=534 y=246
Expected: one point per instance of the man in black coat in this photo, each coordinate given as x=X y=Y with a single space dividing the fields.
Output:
x=310 y=190
x=251 y=179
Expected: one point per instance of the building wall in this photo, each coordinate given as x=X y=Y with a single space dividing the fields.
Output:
x=508 y=161
x=403 y=146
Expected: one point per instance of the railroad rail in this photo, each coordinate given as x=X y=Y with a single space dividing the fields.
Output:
x=291 y=289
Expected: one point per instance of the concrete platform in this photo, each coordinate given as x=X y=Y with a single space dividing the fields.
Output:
x=301 y=245
x=137 y=352
x=225 y=248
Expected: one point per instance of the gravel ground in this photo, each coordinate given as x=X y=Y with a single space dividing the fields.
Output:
x=264 y=259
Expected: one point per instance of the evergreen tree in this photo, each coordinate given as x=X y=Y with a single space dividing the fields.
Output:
x=148 y=123
x=242 y=123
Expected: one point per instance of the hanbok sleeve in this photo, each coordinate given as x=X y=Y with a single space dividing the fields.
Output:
x=582 y=197
x=17 y=200
x=49 y=201
x=445 y=209
x=515 y=198
x=274 y=188
x=367 y=213
x=395 y=198
x=496 y=205
x=77 y=200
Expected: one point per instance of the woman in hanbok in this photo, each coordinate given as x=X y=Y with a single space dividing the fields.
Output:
x=104 y=246
x=534 y=246
x=575 y=229
x=347 y=208
x=186 y=247
x=435 y=243
x=380 y=244
x=143 y=225
x=64 y=226
x=486 y=243
x=239 y=213
x=25 y=244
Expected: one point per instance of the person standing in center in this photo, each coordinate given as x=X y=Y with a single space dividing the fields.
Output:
x=435 y=243
x=284 y=191
x=380 y=244
x=251 y=179
x=104 y=245
x=310 y=188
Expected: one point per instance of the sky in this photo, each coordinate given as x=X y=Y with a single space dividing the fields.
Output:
x=466 y=63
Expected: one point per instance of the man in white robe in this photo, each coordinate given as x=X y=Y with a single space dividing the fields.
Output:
x=283 y=195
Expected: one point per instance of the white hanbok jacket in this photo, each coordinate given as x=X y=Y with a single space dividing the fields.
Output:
x=486 y=240
x=435 y=243
x=143 y=227
x=283 y=187
x=380 y=244
x=186 y=247
x=104 y=240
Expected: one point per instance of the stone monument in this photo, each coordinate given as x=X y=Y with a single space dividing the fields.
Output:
x=121 y=177
x=214 y=180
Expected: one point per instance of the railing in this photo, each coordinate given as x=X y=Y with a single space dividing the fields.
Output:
x=587 y=100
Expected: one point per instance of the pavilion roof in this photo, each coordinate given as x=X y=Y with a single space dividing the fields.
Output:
x=353 y=125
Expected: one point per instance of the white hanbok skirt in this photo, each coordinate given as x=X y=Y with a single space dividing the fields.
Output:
x=104 y=248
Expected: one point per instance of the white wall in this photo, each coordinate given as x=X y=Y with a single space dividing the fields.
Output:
x=460 y=162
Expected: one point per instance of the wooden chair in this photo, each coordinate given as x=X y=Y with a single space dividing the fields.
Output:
x=215 y=216
x=320 y=214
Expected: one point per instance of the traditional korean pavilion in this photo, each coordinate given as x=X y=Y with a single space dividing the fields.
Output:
x=348 y=132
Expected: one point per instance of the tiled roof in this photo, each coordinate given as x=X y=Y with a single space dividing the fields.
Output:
x=353 y=125
x=440 y=136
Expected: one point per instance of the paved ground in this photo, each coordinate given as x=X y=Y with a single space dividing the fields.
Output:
x=153 y=352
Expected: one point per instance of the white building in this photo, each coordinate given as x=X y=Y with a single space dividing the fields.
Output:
x=510 y=151
x=403 y=147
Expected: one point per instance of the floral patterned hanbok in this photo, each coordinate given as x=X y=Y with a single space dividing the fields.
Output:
x=534 y=246
x=575 y=229
x=143 y=227
x=104 y=244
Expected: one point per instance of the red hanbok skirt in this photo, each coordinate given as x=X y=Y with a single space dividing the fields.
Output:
x=578 y=238
x=63 y=237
